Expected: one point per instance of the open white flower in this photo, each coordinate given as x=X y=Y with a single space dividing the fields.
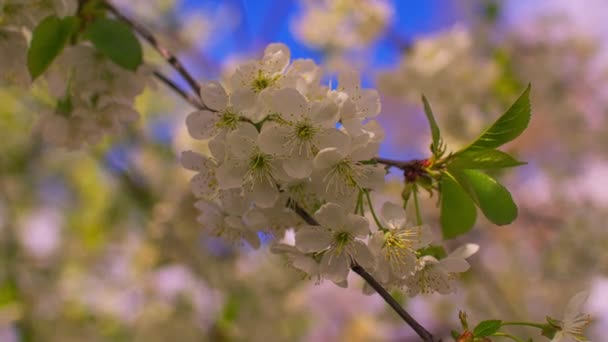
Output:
x=339 y=174
x=222 y=118
x=234 y=220
x=246 y=166
x=575 y=321
x=204 y=183
x=356 y=104
x=304 y=129
x=395 y=248
x=307 y=263
x=434 y=275
x=338 y=238
x=252 y=78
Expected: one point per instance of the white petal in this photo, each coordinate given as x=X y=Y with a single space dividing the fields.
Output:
x=233 y=201
x=201 y=124
x=362 y=255
x=214 y=96
x=324 y=113
x=375 y=131
x=349 y=81
x=364 y=151
x=289 y=103
x=255 y=219
x=327 y=157
x=242 y=141
x=192 y=160
x=264 y=194
x=356 y=225
x=331 y=216
x=348 y=110
x=372 y=176
x=230 y=175
x=332 y=137
x=244 y=100
x=368 y=105
x=465 y=251
x=217 y=146
x=210 y=213
x=306 y=264
x=312 y=239
x=298 y=168
x=576 y=305
x=454 y=265
x=276 y=57
x=354 y=126
x=334 y=266
x=273 y=139
x=204 y=184
x=393 y=214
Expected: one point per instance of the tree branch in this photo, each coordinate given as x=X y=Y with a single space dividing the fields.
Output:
x=169 y=83
x=424 y=334
x=149 y=37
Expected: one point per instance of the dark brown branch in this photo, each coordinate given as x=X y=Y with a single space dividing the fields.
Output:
x=181 y=92
x=400 y=164
x=149 y=37
x=424 y=334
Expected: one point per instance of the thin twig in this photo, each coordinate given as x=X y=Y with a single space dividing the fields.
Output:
x=424 y=334
x=148 y=36
x=400 y=164
x=169 y=83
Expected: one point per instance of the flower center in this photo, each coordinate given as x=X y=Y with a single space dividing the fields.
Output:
x=262 y=81
x=341 y=240
x=260 y=169
x=305 y=131
x=229 y=120
x=398 y=249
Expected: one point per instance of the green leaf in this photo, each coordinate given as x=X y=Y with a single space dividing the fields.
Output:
x=508 y=127
x=116 y=40
x=484 y=159
x=487 y=328
x=48 y=40
x=493 y=199
x=458 y=213
x=434 y=128
x=438 y=252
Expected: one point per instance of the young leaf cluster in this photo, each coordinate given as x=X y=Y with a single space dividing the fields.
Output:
x=110 y=37
x=463 y=184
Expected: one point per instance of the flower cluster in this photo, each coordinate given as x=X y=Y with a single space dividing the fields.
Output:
x=342 y=24
x=433 y=66
x=97 y=97
x=92 y=96
x=17 y=20
x=278 y=140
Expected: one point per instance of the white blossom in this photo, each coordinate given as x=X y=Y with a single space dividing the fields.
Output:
x=233 y=220
x=338 y=237
x=396 y=247
x=339 y=174
x=434 y=275
x=574 y=322
x=304 y=129
x=342 y=24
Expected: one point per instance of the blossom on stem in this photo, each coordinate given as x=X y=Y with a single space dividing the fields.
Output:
x=434 y=275
x=395 y=246
x=572 y=326
x=338 y=238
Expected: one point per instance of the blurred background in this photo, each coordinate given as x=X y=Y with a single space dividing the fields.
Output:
x=102 y=244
